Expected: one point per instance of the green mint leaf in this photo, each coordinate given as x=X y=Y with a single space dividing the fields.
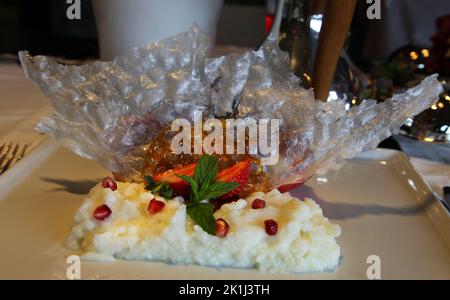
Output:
x=166 y=191
x=151 y=183
x=203 y=215
x=204 y=187
x=194 y=188
x=157 y=188
x=163 y=189
x=206 y=171
x=217 y=189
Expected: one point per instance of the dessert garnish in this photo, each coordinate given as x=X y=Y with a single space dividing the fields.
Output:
x=258 y=203
x=199 y=183
x=155 y=206
x=204 y=187
x=164 y=189
x=109 y=183
x=101 y=212
x=178 y=185
x=271 y=226
x=238 y=173
x=222 y=227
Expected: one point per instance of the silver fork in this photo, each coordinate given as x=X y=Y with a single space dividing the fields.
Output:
x=10 y=154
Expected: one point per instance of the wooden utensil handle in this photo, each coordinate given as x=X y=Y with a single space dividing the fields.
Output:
x=317 y=7
x=336 y=22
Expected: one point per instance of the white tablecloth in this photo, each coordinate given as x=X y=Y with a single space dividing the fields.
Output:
x=19 y=97
x=21 y=101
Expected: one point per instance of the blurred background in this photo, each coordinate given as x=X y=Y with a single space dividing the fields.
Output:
x=43 y=27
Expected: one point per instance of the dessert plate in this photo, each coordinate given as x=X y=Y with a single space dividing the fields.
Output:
x=390 y=221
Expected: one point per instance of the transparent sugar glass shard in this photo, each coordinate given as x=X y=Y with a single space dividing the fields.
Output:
x=111 y=111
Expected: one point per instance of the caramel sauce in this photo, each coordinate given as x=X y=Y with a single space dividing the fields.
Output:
x=160 y=158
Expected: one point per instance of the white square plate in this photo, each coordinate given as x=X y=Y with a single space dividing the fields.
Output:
x=381 y=203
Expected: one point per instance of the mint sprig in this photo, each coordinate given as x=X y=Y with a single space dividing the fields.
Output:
x=206 y=171
x=163 y=188
x=203 y=215
x=203 y=188
x=151 y=183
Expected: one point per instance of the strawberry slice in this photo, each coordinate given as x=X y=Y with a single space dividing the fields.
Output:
x=238 y=173
x=178 y=185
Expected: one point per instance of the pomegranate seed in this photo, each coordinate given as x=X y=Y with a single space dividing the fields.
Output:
x=101 y=212
x=258 y=203
x=222 y=228
x=155 y=206
x=108 y=182
x=271 y=226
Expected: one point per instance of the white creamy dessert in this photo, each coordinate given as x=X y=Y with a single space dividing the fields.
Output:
x=305 y=240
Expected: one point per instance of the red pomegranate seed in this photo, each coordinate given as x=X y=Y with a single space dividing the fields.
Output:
x=222 y=228
x=258 y=203
x=101 y=212
x=271 y=226
x=108 y=182
x=155 y=206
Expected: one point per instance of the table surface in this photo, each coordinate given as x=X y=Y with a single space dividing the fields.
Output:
x=19 y=99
